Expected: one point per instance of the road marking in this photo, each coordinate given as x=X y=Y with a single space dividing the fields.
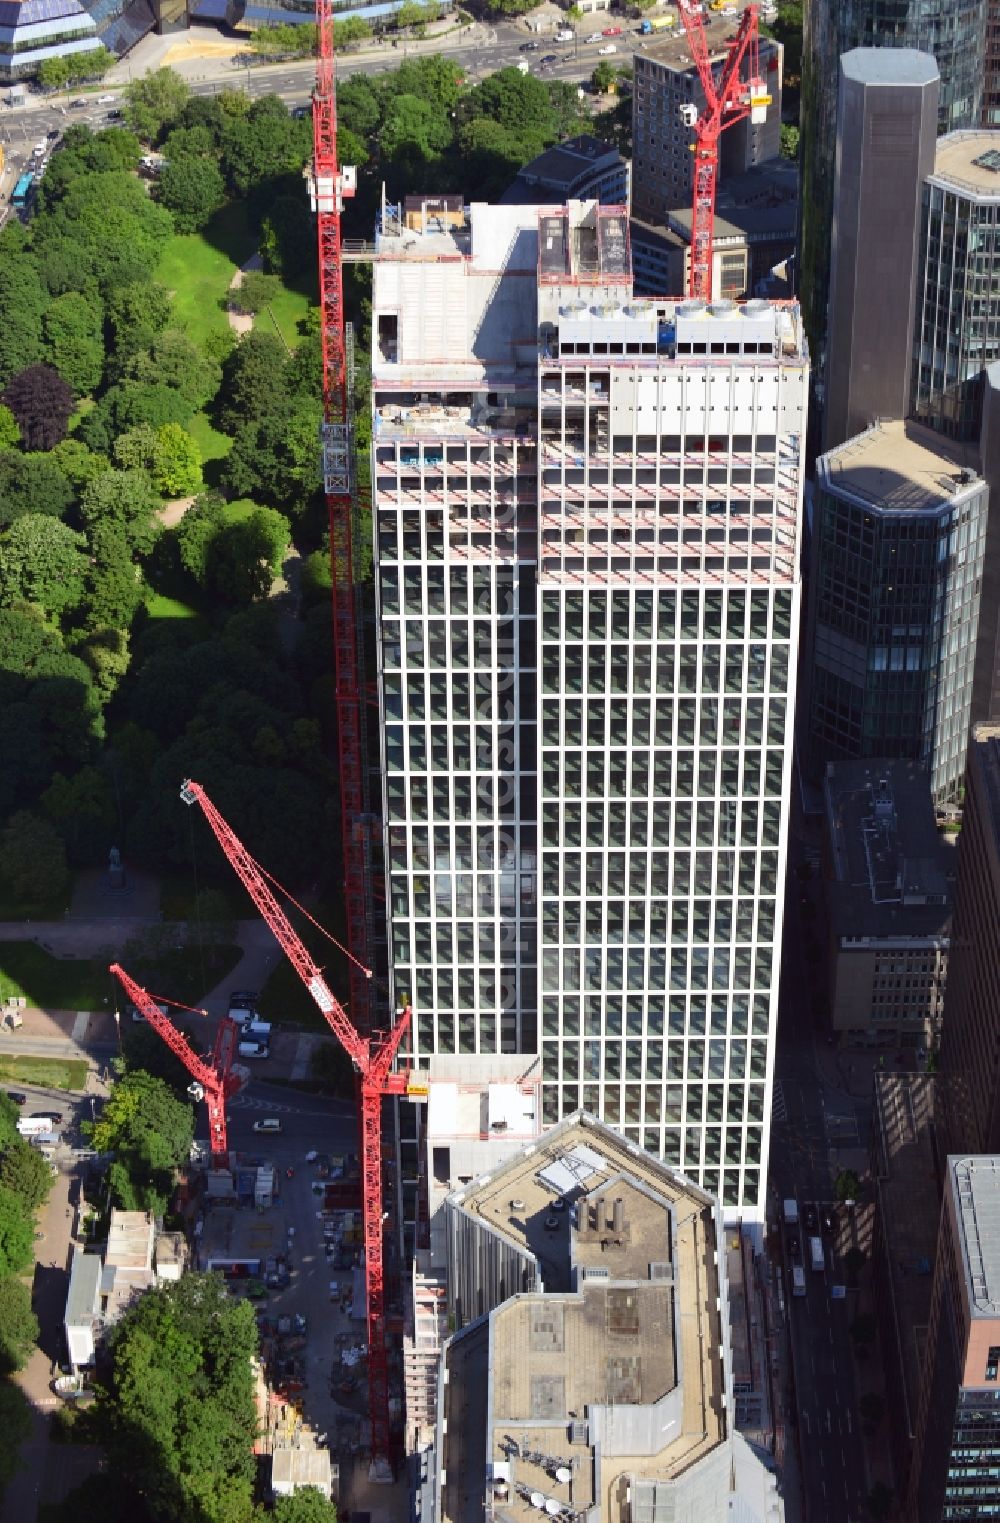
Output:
x=829 y=1421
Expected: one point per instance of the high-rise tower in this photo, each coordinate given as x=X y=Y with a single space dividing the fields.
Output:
x=587 y=523
x=952 y=30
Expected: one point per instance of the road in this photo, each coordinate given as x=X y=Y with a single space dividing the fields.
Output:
x=307 y=1121
x=813 y=1119
x=480 y=52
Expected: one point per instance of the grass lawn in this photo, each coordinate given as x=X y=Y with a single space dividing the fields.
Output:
x=53 y=983
x=240 y=509
x=177 y=896
x=289 y=307
x=211 y=444
x=47 y=1073
x=160 y=607
x=198 y=267
x=48 y=909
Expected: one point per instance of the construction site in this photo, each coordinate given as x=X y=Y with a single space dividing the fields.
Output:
x=498 y=1303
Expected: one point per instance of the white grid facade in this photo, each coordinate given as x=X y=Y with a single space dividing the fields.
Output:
x=589 y=630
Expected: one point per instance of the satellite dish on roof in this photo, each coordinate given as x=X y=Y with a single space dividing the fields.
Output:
x=552 y=1507
x=537 y=1500
x=563 y=1475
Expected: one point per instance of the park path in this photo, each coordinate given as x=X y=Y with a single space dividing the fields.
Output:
x=242 y=322
x=172 y=512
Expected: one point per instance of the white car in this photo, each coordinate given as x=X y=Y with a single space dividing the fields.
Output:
x=106 y=100
x=609 y=47
x=594 y=37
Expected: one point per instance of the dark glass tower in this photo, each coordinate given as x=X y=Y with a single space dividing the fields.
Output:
x=953 y=30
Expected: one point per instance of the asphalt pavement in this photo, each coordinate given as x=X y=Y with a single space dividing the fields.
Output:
x=815 y=1122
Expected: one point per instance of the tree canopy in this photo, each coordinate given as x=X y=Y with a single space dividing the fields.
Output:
x=150 y=1132
x=179 y=1410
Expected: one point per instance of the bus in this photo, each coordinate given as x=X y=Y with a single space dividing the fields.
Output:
x=22 y=190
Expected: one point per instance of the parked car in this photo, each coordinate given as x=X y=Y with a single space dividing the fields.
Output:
x=528 y=47
x=612 y=31
x=16 y=1096
x=106 y=100
x=269 y=1124
x=609 y=47
x=595 y=37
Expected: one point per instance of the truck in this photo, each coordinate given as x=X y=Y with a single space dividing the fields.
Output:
x=34 y=1126
x=565 y=34
x=656 y=24
x=817 y=1258
x=791 y=1213
x=798 y=1280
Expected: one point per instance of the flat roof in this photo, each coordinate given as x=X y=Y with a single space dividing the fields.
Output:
x=889 y=66
x=673 y=49
x=130 y=1240
x=84 y=1283
x=300 y=1464
x=956 y=161
x=975 y=1189
x=630 y=1317
x=239 y=1233
x=893 y=872
x=899 y=467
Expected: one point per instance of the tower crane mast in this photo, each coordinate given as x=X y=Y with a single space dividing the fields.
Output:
x=216 y=1079
x=728 y=100
x=373 y=1057
x=330 y=183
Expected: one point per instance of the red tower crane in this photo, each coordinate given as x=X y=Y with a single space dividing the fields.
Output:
x=728 y=99
x=215 y=1079
x=373 y=1058
x=329 y=184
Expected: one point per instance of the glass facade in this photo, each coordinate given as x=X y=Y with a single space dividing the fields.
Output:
x=458 y=647
x=894 y=630
x=953 y=31
x=588 y=621
x=957 y=332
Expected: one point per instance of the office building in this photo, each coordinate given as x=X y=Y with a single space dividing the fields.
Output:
x=589 y=1375
x=991 y=66
x=32 y=31
x=587 y=515
x=968 y=1108
x=958 y=314
x=665 y=80
x=956 y=1455
x=581 y=168
x=986 y=680
x=888 y=891
x=904 y=1245
x=951 y=30
x=756 y=221
x=886 y=130
x=897 y=555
